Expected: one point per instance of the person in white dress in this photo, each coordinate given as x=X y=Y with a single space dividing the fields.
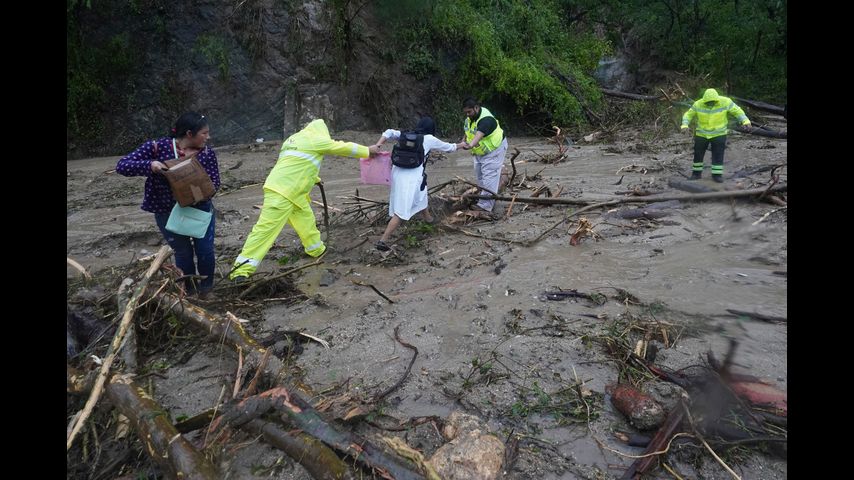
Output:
x=408 y=194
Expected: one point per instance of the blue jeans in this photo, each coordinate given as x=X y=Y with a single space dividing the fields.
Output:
x=187 y=247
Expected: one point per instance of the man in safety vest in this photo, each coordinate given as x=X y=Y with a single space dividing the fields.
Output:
x=711 y=112
x=286 y=195
x=483 y=135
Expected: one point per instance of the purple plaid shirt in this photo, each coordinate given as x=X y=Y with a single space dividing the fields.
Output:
x=158 y=196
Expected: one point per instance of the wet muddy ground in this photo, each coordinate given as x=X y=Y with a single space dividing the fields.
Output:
x=489 y=340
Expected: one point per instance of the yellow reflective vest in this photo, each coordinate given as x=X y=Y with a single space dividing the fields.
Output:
x=487 y=143
x=298 y=166
x=712 y=121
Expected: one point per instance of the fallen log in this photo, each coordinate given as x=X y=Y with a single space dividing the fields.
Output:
x=758 y=316
x=299 y=414
x=220 y=330
x=168 y=448
x=767 y=107
x=689 y=186
x=125 y=324
x=319 y=460
x=618 y=200
x=633 y=96
x=764 y=132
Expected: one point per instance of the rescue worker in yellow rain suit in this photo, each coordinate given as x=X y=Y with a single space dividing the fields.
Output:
x=711 y=113
x=286 y=195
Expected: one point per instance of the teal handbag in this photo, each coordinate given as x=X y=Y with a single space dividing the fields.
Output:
x=189 y=221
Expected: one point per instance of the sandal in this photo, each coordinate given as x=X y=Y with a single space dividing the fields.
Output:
x=382 y=246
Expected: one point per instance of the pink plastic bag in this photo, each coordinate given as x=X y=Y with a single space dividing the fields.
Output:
x=376 y=170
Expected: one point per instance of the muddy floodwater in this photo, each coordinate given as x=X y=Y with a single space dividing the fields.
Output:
x=490 y=342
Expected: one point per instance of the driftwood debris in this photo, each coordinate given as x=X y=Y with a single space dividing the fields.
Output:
x=662 y=198
x=767 y=107
x=758 y=316
x=397 y=384
x=220 y=329
x=764 y=132
x=632 y=96
x=320 y=461
x=78 y=267
x=164 y=444
x=77 y=423
x=300 y=415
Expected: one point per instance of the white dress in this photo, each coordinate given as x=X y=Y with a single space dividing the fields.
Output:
x=406 y=197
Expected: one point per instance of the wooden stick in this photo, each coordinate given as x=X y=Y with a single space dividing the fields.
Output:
x=374 y=288
x=162 y=254
x=510 y=208
x=246 y=292
x=79 y=268
x=325 y=210
x=405 y=374
x=513 y=164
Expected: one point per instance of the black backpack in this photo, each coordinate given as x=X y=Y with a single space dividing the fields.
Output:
x=409 y=151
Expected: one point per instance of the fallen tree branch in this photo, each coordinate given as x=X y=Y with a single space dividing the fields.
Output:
x=301 y=415
x=125 y=324
x=220 y=330
x=168 y=448
x=580 y=210
x=320 y=461
x=760 y=105
x=79 y=267
x=768 y=214
x=485 y=237
x=513 y=164
x=758 y=316
x=255 y=286
x=763 y=132
x=633 y=96
x=325 y=209
x=696 y=196
x=374 y=289
x=397 y=385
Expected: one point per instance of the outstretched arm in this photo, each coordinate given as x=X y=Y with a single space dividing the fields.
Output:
x=140 y=162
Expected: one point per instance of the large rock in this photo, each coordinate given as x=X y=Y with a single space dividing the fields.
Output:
x=471 y=454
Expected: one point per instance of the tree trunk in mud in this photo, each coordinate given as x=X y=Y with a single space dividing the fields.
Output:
x=633 y=96
x=318 y=459
x=699 y=196
x=761 y=106
x=164 y=444
x=764 y=132
x=301 y=415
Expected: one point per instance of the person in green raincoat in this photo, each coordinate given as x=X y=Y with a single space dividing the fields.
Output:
x=286 y=195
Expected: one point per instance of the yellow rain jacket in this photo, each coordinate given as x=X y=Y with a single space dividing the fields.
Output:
x=298 y=166
x=712 y=121
x=286 y=195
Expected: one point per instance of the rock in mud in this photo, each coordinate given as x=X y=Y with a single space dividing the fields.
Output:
x=642 y=411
